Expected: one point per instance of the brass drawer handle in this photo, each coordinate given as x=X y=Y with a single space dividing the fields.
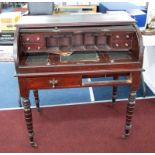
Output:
x=117 y=36
x=38 y=38
x=29 y=48
x=53 y=82
x=126 y=44
x=127 y=36
x=117 y=45
x=27 y=39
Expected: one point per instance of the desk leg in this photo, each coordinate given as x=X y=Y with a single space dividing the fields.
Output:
x=129 y=113
x=19 y=101
x=28 y=119
x=114 y=91
x=143 y=85
x=36 y=96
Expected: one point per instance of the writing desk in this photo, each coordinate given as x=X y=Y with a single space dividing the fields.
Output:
x=53 y=52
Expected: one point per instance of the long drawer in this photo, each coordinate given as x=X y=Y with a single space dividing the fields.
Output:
x=50 y=82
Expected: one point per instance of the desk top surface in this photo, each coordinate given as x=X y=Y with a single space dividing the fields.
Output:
x=74 y=20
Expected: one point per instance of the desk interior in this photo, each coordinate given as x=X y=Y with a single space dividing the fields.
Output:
x=77 y=57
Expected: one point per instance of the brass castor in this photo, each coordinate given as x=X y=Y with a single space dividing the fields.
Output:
x=113 y=101
x=39 y=109
x=33 y=144
x=125 y=136
x=37 y=105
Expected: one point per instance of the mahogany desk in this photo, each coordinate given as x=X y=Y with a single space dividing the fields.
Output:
x=53 y=52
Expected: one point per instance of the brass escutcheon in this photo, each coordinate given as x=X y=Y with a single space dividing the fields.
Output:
x=53 y=82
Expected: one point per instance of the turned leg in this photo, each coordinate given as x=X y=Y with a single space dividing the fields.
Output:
x=129 y=113
x=114 y=94
x=114 y=91
x=28 y=119
x=36 y=96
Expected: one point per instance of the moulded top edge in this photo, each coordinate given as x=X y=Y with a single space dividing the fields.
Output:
x=74 y=20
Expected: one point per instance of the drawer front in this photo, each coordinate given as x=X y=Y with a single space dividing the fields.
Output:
x=32 y=38
x=54 y=82
x=30 y=47
x=121 y=45
x=121 y=36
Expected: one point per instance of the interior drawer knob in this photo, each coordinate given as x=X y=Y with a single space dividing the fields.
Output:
x=117 y=36
x=29 y=48
x=38 y=47
x=117 y=45
x=127 y=36
x=27 y=39
x=126 y=44
x=53 y=82
x=38 y=38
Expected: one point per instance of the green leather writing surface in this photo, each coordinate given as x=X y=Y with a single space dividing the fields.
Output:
x=81 y=56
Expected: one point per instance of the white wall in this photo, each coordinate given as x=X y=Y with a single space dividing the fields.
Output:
x=149 y=66
x=149 y=53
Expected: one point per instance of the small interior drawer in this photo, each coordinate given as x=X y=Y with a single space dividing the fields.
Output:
x=29 y=47
x=32 y=38
x=121 y=44
x=121 y=36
